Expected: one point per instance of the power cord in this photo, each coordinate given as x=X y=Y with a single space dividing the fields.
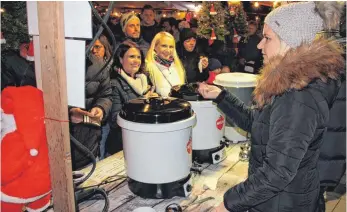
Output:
x=88 y=153
x=101 y=28
x=103 y=24
x=82 y=194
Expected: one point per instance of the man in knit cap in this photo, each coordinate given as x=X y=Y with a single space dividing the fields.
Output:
x=131 y=27
x=295 y=92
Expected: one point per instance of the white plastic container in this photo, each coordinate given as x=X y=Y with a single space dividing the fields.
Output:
x=209 y=129
x=157 y=153
x=157 y=145
x=241 y=85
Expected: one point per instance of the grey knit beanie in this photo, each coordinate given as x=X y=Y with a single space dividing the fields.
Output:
x=295 y=23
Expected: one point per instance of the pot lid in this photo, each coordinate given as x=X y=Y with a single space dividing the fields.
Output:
x=156 y=110
x=187 y=92
x=236 y=79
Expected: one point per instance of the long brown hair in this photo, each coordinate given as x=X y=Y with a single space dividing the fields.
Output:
x=103 y=40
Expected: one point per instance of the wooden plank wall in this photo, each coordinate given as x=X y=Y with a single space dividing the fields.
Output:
x=52 y=53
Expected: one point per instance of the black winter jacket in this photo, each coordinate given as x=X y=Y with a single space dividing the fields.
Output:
x=16 y=71
x=121 y=93
x=332 y=158
x=98 y=94
x=148 y=32
x=190 y=61
x=286 y=130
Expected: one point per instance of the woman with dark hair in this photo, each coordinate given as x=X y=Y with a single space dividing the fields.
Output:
x=128 y=82
x=86 y=122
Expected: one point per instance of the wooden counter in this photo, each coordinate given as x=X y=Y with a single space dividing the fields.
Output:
x=212 y=182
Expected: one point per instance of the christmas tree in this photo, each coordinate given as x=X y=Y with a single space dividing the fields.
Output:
x=211 y=21
x=14 y=24
x=237 y=18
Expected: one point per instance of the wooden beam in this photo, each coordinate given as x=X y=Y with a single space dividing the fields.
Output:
x=52 y=53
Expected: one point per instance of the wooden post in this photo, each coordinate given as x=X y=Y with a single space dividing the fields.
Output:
x=52 y=52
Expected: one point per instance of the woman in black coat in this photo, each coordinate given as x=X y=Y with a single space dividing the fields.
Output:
x=190 y=56
x=298 y=83
x=128 y=82
x=98 y=104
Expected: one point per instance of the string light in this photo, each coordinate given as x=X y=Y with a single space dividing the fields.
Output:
x=234 y=2
x=2 y=10
x=197 y=8
x=164 y=15
x=178 y=13
x=275 y=4
x=256 y=4
x=194 y=15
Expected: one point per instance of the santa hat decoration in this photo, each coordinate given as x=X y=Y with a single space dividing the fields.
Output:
x=189 y=16
x=212 y=10
x=30 y=54
x=213 y=35
x=26 y=105
x=3 y=40
x=232 y=11
x=212 y=38
x=236 y=37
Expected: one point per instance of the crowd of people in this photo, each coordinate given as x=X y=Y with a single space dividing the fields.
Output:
x=301 y=85
x=152 y=57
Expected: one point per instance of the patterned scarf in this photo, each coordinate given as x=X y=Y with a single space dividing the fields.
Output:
x=164 y=62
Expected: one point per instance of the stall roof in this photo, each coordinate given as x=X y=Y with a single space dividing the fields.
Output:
x=162 y=5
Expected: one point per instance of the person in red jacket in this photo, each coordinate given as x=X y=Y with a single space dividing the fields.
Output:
x=214 y=68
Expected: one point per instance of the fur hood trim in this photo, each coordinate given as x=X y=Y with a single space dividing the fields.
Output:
x=322 y=59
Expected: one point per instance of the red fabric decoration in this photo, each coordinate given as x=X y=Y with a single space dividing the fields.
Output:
x=232 y=11
x=25 y=179
x=212 y=10
x=3 y=40
x=30 y=55
x=212 y=38
x=235 y=38
x=211 y=77
x=213 y=35
x=27 y=50
x=189 y=16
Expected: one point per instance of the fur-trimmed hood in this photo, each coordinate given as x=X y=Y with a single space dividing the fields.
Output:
x=299 y=67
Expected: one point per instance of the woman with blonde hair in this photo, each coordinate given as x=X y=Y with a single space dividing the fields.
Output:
x=163 y=65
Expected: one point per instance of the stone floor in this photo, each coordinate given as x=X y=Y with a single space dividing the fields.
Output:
x=336 y=200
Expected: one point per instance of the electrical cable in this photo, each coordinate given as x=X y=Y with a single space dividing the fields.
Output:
x=96 y=14
x=101 y=28
x=83 y=193
x=86 y=194
x=89 y=154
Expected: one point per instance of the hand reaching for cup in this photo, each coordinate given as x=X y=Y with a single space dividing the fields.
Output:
x=209 y=91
